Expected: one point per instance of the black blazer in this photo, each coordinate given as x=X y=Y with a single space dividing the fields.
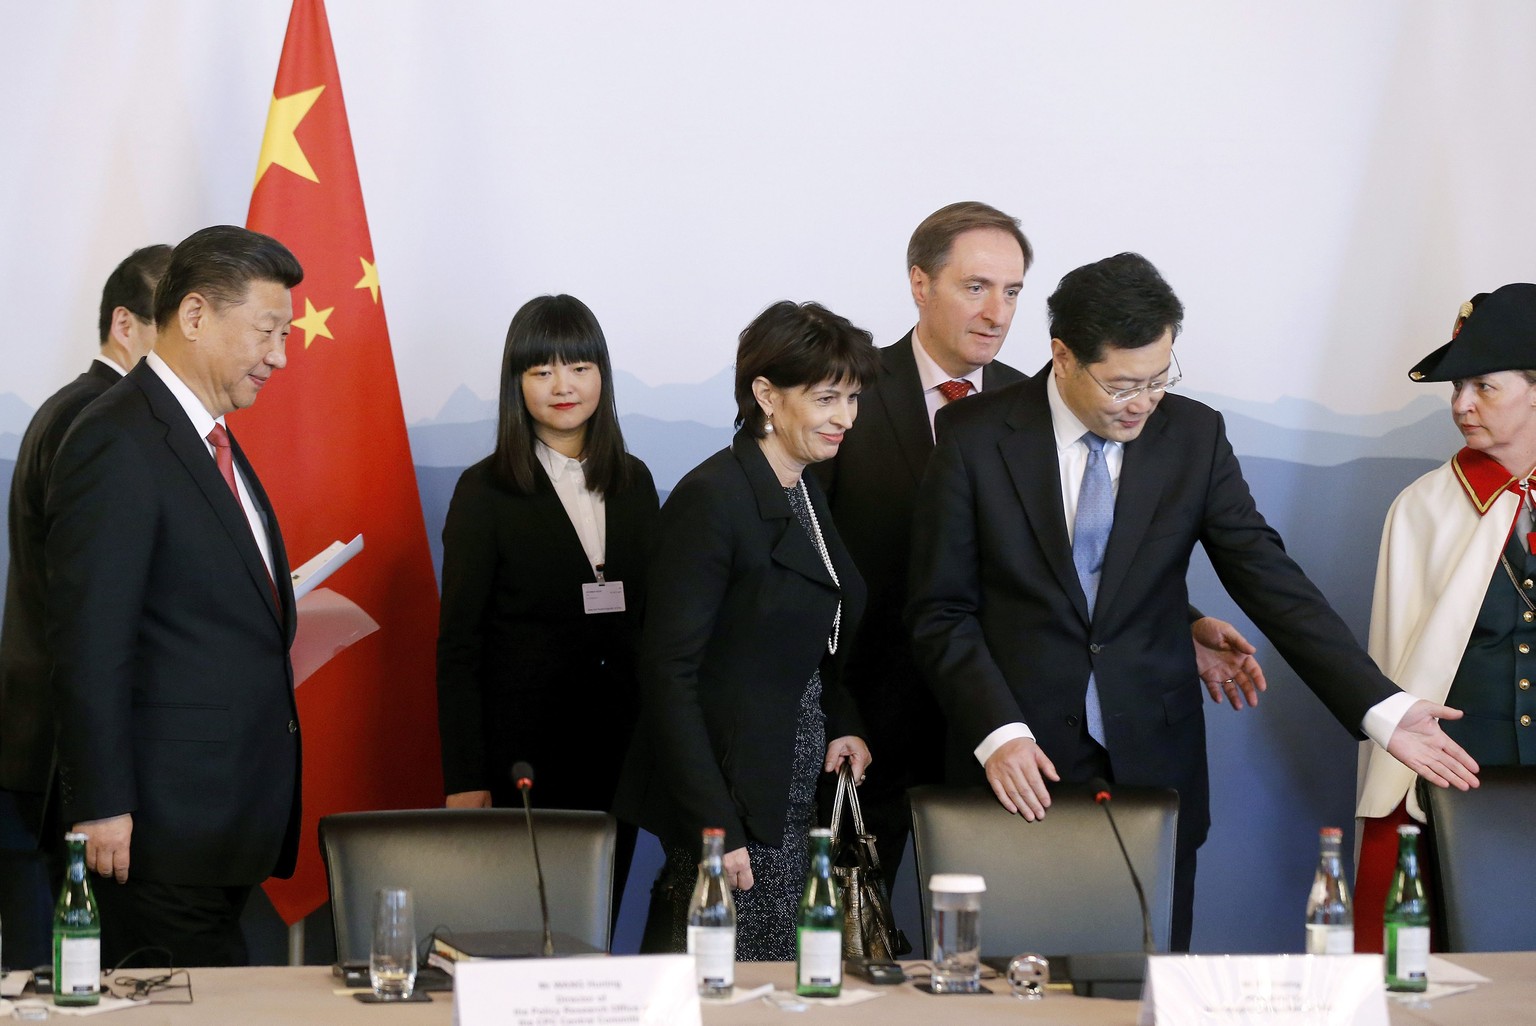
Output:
x=26 y=714
x=872 y=486
x=174 y=688
x=1001 y=626
x=741 y=608
x=523 y=672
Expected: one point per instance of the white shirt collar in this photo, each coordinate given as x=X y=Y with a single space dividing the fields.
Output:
x=202 y=420
x=556 y=463
x=932 y=375
x=1069 y=430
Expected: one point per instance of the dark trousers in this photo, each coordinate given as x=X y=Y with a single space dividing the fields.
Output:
x=26 y=874
x=147 y=923
x=623 y=856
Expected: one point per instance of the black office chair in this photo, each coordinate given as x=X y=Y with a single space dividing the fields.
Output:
x=1057 y=886
x=1485 y=860
x=469 y=870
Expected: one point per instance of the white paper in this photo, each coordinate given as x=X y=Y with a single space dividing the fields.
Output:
x=326 y=562
x=14 y=982
x=1445 y=979
x=328 y=623
x=633 y=990
x=1264 y=990
x=738 y=996
x=107 y=1004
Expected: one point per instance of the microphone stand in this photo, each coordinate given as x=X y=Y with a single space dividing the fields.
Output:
x=1102 y=797
x=522 y=776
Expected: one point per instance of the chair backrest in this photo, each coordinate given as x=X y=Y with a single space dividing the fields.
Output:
x=469 y=870
x=1057 y=886
x=1485 y=860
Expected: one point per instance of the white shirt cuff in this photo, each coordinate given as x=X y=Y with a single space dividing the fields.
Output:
x=1381 y=719
x=1001 y=736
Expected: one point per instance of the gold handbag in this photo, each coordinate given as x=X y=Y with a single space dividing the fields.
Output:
x=869 y=930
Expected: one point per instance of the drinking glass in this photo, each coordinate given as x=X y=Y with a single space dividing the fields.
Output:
x=392 y=957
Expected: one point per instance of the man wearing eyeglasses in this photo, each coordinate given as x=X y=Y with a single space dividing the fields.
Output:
x=1052 y=538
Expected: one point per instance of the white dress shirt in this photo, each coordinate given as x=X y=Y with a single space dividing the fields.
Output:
x=932 y=376
x=585 y=507
x=202 y=423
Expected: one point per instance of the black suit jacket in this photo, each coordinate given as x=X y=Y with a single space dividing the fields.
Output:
x=523 y=672
x=740 y=610
x=174 y=688
x=872 y=486
x=26 y=714
x=1001 y=623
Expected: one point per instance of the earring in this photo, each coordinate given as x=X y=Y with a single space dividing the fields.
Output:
x=768 y=426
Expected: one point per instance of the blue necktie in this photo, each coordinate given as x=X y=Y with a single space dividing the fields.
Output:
x=1090 y=535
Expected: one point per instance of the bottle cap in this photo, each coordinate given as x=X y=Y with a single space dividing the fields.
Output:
x=821 y=832
x=956 y=883
x=1408 y=830
x=1331 y=833
x=713 y=832
x=72 y=836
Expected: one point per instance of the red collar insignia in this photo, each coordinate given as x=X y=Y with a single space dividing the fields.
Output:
x=1483 y=478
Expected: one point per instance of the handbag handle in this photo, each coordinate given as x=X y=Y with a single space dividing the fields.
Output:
x=846 y=792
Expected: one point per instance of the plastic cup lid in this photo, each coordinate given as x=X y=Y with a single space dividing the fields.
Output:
x=957 y=883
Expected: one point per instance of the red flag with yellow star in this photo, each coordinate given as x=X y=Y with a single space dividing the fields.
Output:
x=328 y=438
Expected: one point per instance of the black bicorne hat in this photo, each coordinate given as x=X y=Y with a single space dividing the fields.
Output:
x=1495 y=331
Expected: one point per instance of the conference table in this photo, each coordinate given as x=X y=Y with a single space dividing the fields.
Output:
x=309 y=994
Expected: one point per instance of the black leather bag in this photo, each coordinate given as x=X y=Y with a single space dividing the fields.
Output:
x=869 y=930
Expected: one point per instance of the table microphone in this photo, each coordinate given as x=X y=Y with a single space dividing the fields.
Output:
x=1102 y=797
x=522 y=776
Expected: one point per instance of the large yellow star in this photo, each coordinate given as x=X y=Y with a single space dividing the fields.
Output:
x=313 y=323
x=369 y=280
x=279 y=145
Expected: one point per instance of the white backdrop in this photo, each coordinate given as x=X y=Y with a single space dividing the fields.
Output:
x=1323 y=182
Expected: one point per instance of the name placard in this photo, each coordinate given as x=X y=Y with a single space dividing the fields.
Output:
x=1264 y=990
x=632 y=990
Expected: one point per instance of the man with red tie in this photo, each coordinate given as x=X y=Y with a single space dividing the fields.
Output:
x=965 y=269
x=170 y=613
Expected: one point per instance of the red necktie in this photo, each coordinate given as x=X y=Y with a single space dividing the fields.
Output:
x=952 y=390
x=225 y=458
x=219 y=439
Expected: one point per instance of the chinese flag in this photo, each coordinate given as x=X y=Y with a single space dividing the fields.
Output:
x=328 y=438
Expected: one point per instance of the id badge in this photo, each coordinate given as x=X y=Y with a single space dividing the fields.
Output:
x=603 y=598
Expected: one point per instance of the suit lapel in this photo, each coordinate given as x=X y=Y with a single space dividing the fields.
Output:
x=794 y=549
x=900 y=402
x=193 y=453
x=1143 y=476
x=556 y=526
x=1029 y=454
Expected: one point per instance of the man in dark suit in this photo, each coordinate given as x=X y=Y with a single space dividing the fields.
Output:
x=965 y=267
x=170 y=614
x=127 y=333
x=1052 y=539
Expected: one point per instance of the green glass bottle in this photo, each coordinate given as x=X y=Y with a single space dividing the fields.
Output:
x=76 y=933
x=819 y=930
x=1406 y=919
